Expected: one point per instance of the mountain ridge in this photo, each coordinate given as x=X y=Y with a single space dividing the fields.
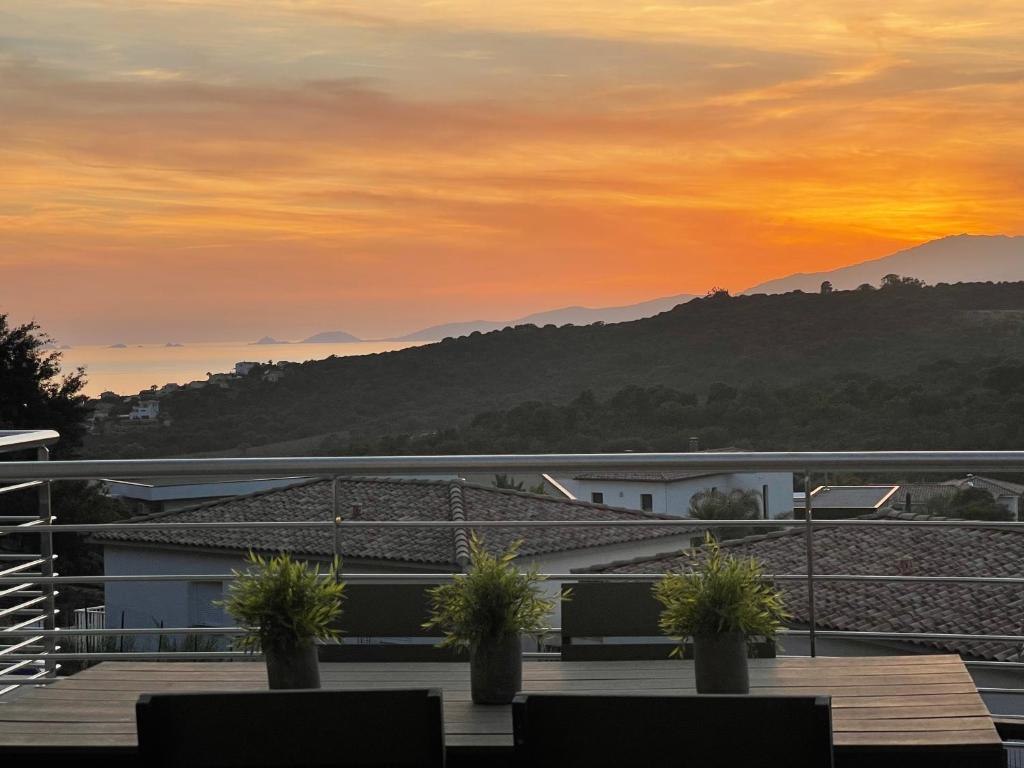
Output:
x=959 y=258
x=573 y=315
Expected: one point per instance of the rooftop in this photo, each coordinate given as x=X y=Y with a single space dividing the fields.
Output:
x=938 y=607
x=389 y=499
x=866 y=497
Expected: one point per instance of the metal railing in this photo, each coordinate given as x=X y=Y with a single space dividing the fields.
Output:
x=28 y=610
x=39 y=646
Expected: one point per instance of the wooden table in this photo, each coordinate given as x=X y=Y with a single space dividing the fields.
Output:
x=887 y=710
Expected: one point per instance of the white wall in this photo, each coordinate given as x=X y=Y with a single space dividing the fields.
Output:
x=674 y=498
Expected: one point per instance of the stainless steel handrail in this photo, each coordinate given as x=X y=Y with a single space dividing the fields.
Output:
x=329 y=466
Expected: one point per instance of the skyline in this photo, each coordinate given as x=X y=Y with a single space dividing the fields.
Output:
x=194 y=171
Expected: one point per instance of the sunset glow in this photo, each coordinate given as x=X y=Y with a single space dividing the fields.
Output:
x=220 y=170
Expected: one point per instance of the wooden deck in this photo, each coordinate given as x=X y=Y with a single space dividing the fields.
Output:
x=887 y=710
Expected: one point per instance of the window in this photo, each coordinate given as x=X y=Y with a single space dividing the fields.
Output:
x=597 y=498
x=647 y=502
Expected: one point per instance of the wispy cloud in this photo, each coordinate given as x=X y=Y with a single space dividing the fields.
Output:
x=416 y=162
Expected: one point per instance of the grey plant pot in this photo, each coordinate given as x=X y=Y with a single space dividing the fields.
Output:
x=496 y=670
x=721 y=663
x=298 y=668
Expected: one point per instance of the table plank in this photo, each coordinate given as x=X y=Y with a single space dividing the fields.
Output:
x=878 y=702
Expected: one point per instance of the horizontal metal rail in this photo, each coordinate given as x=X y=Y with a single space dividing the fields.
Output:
x=23 y=439
x=21 y=487
x=798 y=461
x=23 y=567
x=682 y=522
x=21 y=606
x=437 y=578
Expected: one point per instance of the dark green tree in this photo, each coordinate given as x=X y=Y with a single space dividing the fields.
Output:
x=34 y=392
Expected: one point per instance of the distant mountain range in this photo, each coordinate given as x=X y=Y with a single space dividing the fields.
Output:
x=563 y=316
x=954 y=259
x=331 y=337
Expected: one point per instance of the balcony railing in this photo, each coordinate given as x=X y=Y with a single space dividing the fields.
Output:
x=31 y=638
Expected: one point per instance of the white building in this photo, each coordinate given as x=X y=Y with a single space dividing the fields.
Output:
x=243 y=368
x=145 y=410
x=669 y=493
x=366 y=550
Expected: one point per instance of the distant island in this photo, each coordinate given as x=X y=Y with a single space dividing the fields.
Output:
x=268 y=340
x=118 y=346
x=331 y=337
x=173 y=344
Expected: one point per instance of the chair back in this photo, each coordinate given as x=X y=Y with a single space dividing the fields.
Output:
x=357 y=729
x=618 y=620
x=597 y=731
x=384 y=622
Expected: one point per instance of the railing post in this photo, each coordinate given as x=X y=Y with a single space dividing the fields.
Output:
x=809 y=539
x=47 y=569
x=336 y=510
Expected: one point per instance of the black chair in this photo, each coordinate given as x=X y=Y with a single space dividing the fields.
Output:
x=581 y=731
x=375 y=618
x=357 y=729
x=617 y=621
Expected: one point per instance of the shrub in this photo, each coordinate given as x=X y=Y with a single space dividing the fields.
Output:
x=723 y=594
x=492 y=600
x=283 y=603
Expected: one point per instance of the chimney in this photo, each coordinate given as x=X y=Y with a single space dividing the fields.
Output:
x=909 y=503
x=905 y=565
x=694 y=445
x=356 y=509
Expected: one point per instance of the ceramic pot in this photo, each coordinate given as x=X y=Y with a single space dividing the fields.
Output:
x=721 y=663
x=496 y=670
x=297 y=668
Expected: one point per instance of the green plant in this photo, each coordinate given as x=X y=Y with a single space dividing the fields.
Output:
x=723 y=594
x=282 y=603
x=492 y=600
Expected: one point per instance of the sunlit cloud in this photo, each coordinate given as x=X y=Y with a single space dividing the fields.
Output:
x=385 y=166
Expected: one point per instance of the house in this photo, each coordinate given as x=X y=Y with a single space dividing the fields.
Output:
x=893 y=550
x=145 y=410
x=367 y=550
x=243 y=368
x=837 y=502
x=669 y=492
x=1008 y=495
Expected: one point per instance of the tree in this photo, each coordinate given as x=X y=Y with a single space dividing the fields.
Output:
x=826 y=288
x=738 y=504
x=34 y=393
x=891 y=281
x=507 y=482
x=970 y=504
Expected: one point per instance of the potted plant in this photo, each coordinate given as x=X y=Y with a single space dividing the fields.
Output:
x=284 y=606
x=721 y=604
x=485 y=611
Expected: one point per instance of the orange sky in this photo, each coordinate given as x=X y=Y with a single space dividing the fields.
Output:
x=222 y=170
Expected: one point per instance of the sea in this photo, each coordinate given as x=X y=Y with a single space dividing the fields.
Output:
x=132 y=368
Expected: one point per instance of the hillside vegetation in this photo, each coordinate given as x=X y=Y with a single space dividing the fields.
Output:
x=797 y=343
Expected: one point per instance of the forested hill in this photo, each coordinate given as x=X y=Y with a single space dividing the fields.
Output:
x=775 y=339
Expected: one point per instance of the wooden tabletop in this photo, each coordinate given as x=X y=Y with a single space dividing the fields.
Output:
x=878 y=702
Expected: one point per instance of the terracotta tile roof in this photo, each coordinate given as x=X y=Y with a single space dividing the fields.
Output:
x=386 y=499
x=920 y=494
x=986 y=609
x=996 y=487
